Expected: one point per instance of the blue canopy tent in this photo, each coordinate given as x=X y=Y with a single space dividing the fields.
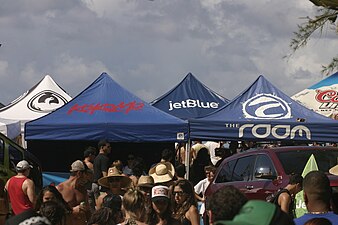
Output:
x=264 y=113
x=105 y=110
x=189 y=99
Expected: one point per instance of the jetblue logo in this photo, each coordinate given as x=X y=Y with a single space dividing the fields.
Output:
x=266 y=106
x=192 y=103
x=46 y=101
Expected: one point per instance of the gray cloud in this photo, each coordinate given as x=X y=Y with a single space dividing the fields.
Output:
x=149 y=46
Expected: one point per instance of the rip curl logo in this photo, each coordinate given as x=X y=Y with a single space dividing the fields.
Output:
x=46 y=101
x=266 y=106
x=121 y=107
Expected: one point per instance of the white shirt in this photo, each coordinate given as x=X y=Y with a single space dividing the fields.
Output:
x=199 y=188
x=212 y=145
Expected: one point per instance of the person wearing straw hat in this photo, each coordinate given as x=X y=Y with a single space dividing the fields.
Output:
x=115 y=181
x=163 y=173
x=334 y=170
x=145 y=183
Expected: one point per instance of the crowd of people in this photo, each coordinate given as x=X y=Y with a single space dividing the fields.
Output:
x=102 y=192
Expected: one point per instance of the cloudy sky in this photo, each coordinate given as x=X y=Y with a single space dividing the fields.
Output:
x=149 y=46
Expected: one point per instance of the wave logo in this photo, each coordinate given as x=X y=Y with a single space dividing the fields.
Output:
x=46 y=101
x=266 y=106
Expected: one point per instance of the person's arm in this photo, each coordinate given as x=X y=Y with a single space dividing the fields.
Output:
x=284 y=201
x=198 y=191
x=99 y=202
x=199 y=198
x=193 y=216
x=104 y=167
x=29 y=190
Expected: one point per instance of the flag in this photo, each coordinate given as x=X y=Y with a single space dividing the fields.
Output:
x=311 y=165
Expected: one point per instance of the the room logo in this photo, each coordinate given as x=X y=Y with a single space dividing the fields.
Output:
x=266 y=106
x=263 y=131
x=46 y=101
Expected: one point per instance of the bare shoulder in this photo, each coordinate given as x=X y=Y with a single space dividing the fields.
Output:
x=28 y=182
x=193 y=209
x=284 y=195
x=59 y=187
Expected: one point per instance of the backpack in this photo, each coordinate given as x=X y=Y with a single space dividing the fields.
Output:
x=273 y=198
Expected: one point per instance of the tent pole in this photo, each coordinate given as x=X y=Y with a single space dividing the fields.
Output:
x=187 y=159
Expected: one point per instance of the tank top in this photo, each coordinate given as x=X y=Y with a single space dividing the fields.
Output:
x=19 y=200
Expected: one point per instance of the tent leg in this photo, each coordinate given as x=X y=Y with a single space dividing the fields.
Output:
x=187 y=159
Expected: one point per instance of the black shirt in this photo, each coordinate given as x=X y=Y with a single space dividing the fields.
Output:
x=101 y=164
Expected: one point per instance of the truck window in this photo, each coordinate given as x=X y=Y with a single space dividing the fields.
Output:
x=225 y=173
x=244 y=169
x=265 y=165
x=15 y=156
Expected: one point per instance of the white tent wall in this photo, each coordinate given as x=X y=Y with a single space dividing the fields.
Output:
x=10 y=128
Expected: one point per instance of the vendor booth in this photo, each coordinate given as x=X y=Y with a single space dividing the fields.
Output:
x=189 y=99
x=264 y=113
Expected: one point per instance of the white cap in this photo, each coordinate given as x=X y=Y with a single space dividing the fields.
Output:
x=77 y=166
x=23 y=165
x=159 y=192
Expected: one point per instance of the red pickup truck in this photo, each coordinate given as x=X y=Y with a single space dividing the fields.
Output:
x=260 y=172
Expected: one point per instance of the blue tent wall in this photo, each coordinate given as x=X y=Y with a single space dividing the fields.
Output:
x=107 y=110
x=261 y=113
x=190 y=99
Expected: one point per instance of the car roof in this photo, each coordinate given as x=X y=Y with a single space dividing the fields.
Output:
x=252 y=151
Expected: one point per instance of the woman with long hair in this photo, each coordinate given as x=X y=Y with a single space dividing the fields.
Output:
x=161 y=213
x=134 y=206
x=197 y=168
x=50 y=193
x=184 y=203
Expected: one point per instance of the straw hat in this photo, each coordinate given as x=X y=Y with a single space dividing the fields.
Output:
x=145 y=181
x=334 y=170
x=162 y=172
x=114 y=172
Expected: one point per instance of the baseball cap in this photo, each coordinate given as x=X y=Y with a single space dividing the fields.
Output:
x=77 y=166
x=160 y=193
x=23 y=165
x=257 y=212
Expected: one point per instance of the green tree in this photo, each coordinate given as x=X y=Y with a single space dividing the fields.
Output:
x=326 y=18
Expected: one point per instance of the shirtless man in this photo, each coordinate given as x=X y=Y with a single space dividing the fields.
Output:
x=21 y=189
x=74 y=192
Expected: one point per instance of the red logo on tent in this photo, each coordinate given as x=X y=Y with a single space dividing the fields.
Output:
x=91 y=108
x=327 y=96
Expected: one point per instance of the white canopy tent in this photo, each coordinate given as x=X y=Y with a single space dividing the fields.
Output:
x=40 y=100
x=10 y=128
